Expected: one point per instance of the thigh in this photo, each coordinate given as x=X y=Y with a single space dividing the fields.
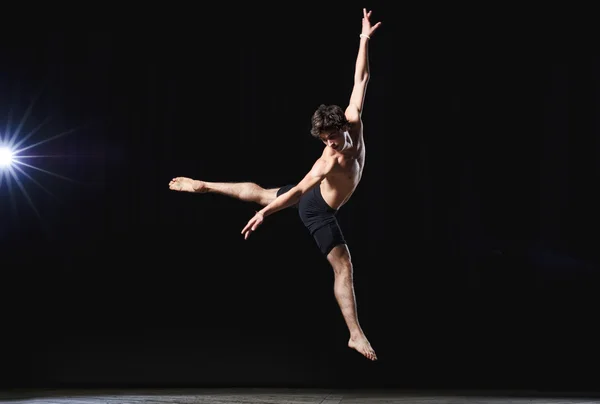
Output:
x=328 y=237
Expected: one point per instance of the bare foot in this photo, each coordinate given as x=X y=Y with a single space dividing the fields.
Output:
x=185 y=184
x=362 y=345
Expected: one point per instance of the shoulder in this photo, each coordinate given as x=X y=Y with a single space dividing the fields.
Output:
x=330 y=156
x=354 y=119
x=325 y=163
x=328 y=153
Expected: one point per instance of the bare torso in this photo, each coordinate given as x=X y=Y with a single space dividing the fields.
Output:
x=342 y=181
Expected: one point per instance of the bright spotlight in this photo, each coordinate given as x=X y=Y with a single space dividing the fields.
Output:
x=6 y=157
x=17 y=165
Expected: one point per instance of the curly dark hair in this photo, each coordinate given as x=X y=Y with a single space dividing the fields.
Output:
x=328 y=118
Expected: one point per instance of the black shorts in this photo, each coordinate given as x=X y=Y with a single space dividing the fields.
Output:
x=319 y=218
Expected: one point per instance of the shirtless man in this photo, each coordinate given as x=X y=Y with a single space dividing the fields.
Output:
x=323 y=191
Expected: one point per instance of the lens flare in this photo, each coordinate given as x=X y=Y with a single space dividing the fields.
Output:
x=6 y=157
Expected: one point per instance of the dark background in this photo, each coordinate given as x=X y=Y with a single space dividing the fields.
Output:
x=473 y=233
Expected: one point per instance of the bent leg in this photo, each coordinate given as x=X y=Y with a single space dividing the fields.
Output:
x=340 y=260
x=244 y=191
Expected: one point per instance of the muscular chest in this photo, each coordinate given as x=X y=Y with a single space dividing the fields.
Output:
x=348 y=169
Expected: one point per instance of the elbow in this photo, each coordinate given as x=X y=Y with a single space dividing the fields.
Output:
x=362 y=78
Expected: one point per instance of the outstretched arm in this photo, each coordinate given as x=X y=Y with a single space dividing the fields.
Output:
x=361 y=72
x=319 y=171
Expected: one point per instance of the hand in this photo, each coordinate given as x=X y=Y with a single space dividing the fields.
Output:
x=367 y=29
x=253 y=225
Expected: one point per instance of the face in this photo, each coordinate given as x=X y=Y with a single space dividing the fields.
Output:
x=338 y=140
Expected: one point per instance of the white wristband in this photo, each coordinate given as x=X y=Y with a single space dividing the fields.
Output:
x=365 y=35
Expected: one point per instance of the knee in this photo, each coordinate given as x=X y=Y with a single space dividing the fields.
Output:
x=340 y=260
x=343 y=269
x=255 y=193
x=267 y=196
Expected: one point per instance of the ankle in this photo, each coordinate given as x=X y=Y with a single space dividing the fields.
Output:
x=197 y=185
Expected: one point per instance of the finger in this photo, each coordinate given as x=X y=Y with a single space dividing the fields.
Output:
x=365 y=12
x=374 y=27
x=369 y=14
x=248 y=225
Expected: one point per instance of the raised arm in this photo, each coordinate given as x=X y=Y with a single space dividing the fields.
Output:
x=319 y=171
x=361 y=72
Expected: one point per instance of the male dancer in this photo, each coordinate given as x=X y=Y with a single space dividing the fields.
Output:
x=323 y=191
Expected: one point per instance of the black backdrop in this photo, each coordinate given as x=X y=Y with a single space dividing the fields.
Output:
x=473 y=233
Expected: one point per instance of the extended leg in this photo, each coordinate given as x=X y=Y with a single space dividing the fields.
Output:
x=244 y=191
x=340 y=260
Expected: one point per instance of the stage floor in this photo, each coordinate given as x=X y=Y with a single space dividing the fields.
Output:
x=282 y=396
